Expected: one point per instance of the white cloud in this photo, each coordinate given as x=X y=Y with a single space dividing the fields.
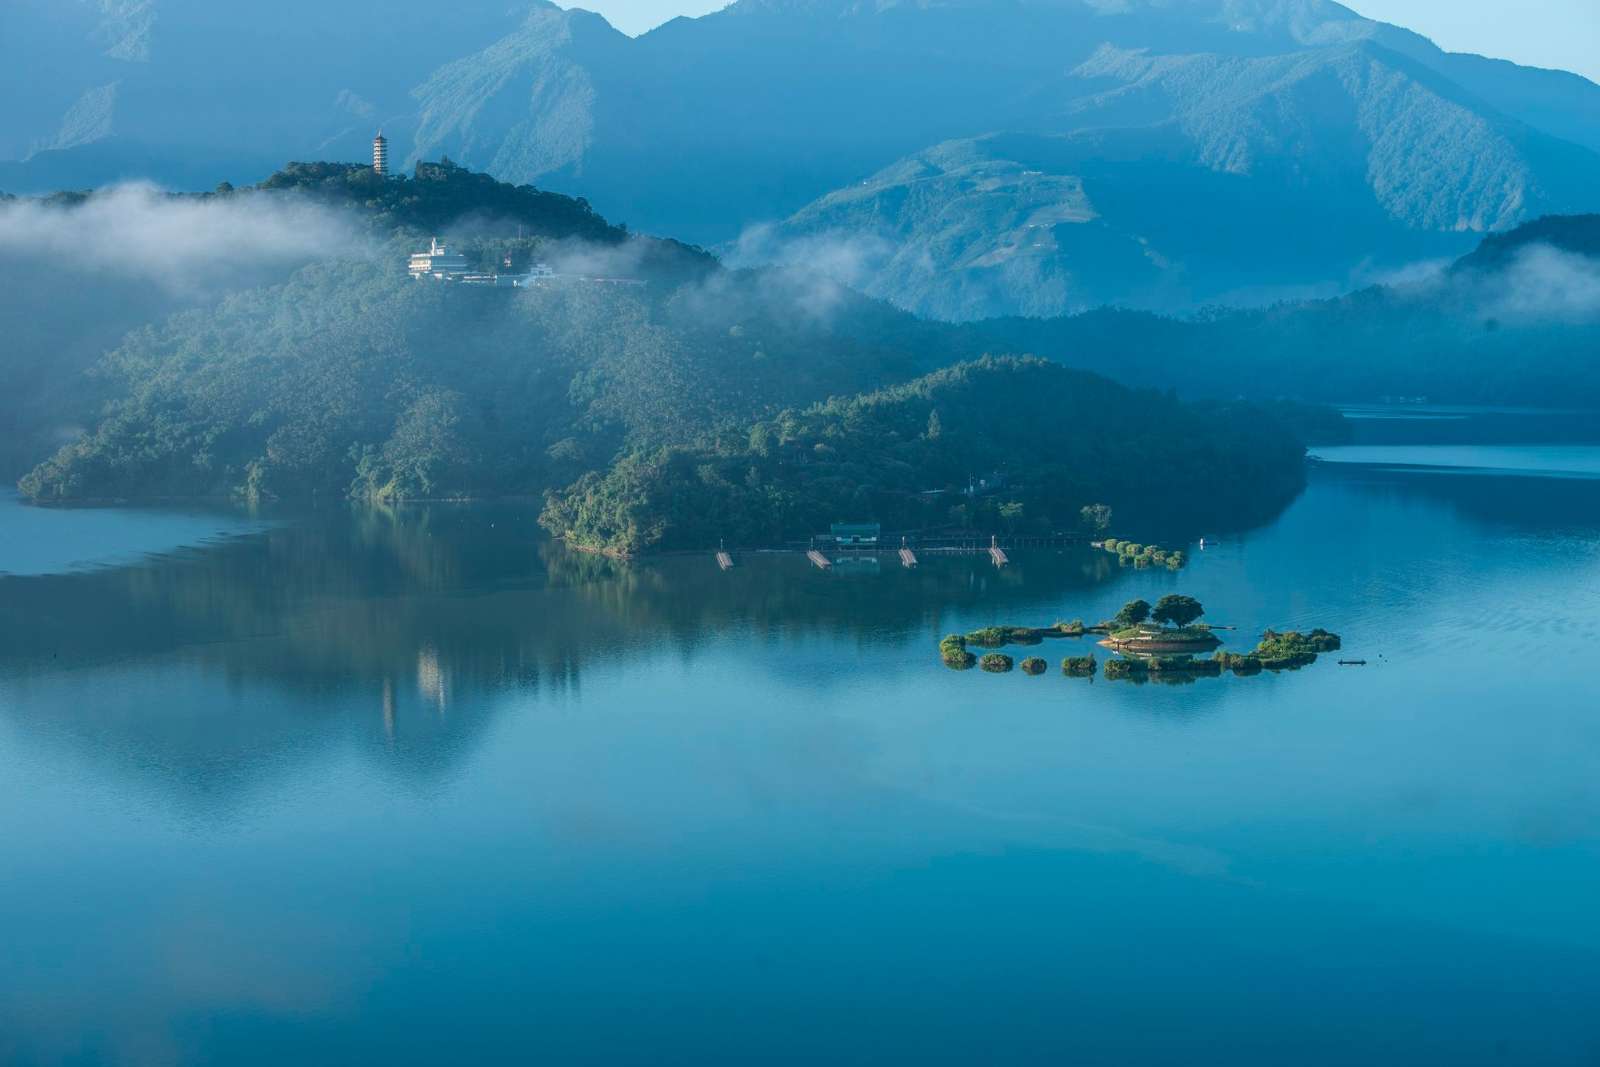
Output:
x=183 y=244
x=1546 y=283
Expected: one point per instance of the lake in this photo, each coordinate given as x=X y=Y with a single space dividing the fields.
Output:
x=418 y=787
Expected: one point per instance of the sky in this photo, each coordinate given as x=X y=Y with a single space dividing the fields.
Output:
x=1564 y=34
x=1543 y=33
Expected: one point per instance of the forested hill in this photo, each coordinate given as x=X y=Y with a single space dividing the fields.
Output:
x=351 y=377
x=339 y=375
x=348 y=378
x=437 y=195
x=102 y=263
x=440 y=197
x=1577 y=235
x=1059 y=439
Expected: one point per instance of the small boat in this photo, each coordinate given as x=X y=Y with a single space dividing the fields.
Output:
x=1352 y=663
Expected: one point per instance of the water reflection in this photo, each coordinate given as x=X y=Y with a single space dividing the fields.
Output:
x=397 y=631
x=477 y=588
x=394 y=631
x=265 y=798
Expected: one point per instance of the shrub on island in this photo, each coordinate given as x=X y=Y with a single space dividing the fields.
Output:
x=1034 y=665
x=1292 y=649
x=1131 y=552
x=1237 y=663
x=1075 y=628
x=988 y=637
x=1079 y=666
x=1323 y=641
x=953 y=650
x=1124 y=668
x=1183 y=665
x=996 y=663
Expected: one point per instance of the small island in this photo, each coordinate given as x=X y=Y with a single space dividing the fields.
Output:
x=1164 y=630
x=1079 y=666
x=1290 y=650
x=1133 y=553
x=1164 y=642
x=953 y=650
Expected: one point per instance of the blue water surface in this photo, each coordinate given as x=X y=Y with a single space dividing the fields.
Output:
x=417 y=787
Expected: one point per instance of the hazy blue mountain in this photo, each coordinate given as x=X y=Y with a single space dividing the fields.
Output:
x=1573 y=235
x=1183 y=147
x=995 y=157
x=176 y=90
x=1195 y=179
x=705 y=125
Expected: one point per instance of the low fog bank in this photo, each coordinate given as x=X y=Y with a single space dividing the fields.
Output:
x=1545 y=284
x=84 y=271
x=185 y=245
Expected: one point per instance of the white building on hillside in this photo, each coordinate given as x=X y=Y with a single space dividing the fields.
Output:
x=438 y=262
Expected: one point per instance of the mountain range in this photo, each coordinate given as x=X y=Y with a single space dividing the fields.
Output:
x=960 y=158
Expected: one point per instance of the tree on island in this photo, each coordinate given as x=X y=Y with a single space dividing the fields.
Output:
x=1177 y=610
x=1132 y=614
x=1096 y=517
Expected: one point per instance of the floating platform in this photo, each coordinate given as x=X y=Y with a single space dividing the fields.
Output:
x=908 y=558
x=822 y=562
x=999 y=556
x=725 y=561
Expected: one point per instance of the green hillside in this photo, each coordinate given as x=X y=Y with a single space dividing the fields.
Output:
x=904 y=456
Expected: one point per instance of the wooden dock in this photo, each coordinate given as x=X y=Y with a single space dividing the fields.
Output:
x=997 y=553
x=908 y=558
x=822 y=562
x=725 y=561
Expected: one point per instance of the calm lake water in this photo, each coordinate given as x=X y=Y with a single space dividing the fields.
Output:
x=418 y=788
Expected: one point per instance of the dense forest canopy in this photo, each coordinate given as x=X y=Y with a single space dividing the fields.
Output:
x=347 y=377
x=352 y=371
x=1050 y=441
x=106 y=263
x=774 y=399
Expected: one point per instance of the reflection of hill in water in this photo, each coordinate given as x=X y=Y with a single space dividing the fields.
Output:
x=395 y=633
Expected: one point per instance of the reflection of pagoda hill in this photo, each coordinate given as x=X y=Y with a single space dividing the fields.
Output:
x=868 y=600
x=398 y=633
x=355 y=597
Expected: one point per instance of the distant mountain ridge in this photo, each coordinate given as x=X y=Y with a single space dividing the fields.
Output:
x=1195 y=179
x=1281 y=123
